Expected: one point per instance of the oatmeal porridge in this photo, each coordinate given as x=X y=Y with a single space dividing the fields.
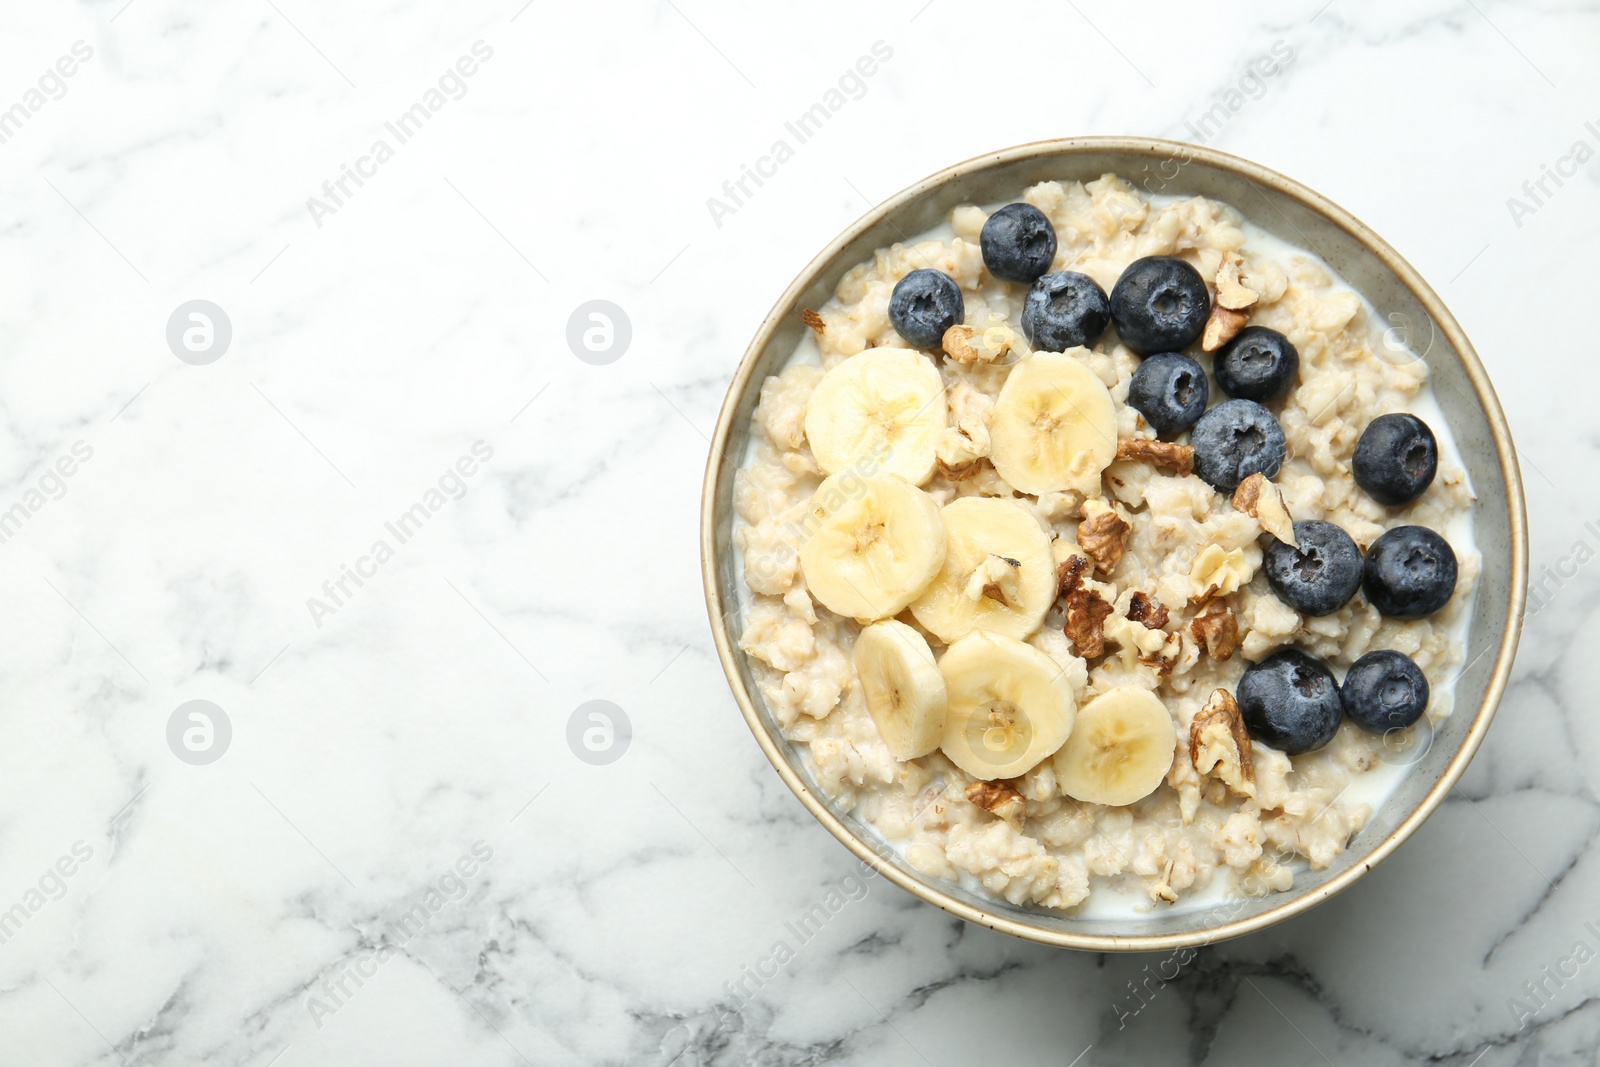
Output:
x=1101 y=548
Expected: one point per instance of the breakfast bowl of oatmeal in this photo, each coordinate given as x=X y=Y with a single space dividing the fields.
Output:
x=1115 y=543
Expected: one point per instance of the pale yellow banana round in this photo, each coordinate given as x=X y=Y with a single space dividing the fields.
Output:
x=880 y=411
x=998 y=572
x=871 y=544
x=1010 y=705
x=904 y=690
x=1054 y=426
x=1120 y=750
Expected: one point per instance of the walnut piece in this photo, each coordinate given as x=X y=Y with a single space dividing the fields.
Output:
x=998 y=578
x=1219 y=744
x=1147 y=612
x=1167 y=454
x=1217 y=631
x=1233 y=294
x=1069 y=574
x=1263 y=501
x=1223 y=326
x=957 y=344
x=999 y=799
x=966 y=345
x=1103 y=534
x=1158 y=663
x=961 y=448
x=960 y=472
x=1087 y=612
x=813 y=320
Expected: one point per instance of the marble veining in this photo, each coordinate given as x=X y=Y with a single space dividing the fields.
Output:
x=414 y=848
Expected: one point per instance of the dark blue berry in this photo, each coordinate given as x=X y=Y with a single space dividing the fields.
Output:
x=1411 y=572
x=1170 y=390
x=1321 y=575
x=1290 y=701
x=1384 y=690
x=1234 y=440
x=1160 y=304
x=1018 y=243
x=1396 y=458
x=924 y=304
x=1258 y=364
x=1064 y=310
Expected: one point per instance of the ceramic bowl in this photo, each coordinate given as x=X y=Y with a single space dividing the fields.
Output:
x=1302 y=218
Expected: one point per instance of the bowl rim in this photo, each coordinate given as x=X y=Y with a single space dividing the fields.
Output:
x=1408 y=276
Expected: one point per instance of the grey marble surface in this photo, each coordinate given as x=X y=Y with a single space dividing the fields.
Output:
x=399 y=858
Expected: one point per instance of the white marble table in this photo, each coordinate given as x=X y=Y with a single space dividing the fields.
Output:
x=397 y=771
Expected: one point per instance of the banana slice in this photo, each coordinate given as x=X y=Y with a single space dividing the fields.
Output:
x=1121 y=748
x=882 y=409
x=904 y=689
x=1054 y=426
x=998 y=573
x=1010 y=705
x=873 y=544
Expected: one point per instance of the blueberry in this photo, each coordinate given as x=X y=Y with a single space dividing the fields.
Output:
x=1018 y=243
x=1411 y=572
x=1321 y=575
x=1258 y=364
x=1170 y=390
x=1064 y=310
x=1290 y=701
x=1160 y=304
x=1383 y=691
x=1234 y=440
x=924 y=304
x=1395 y=459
